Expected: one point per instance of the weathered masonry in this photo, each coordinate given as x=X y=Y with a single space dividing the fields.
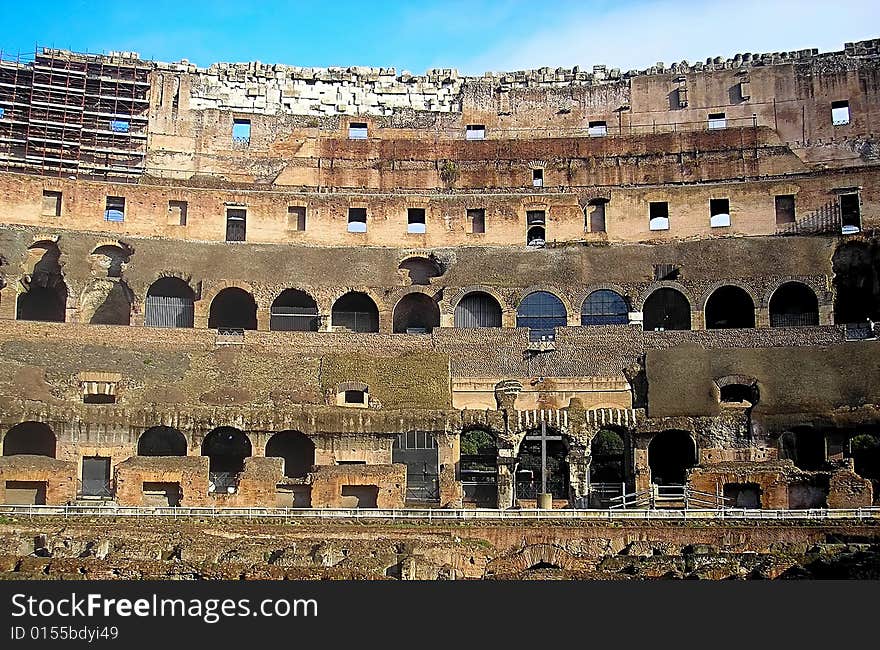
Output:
x=263 y=285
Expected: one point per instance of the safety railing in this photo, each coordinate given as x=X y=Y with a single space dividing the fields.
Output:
x=438 y=514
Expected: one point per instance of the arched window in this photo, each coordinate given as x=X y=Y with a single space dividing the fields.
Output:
x=730 y=307
x=421 y=269
x=794 y=305
x=227 y=448
x=416 y=313
x=297 y=450
x=604 y=307
x=169 y=303
x=233 y=308
x=666 y=309
x=541 y=312
x=355 y=312
x=477 y=309
x=536 y=236
x=162 y=441
x=670 y=455
x=294 y=311
x=32 y=438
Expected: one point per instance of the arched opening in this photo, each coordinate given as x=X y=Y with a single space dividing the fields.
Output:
x=111 y=301
x=418 y=451
x=170 y=303
x=48 y=304
x=421 y=269
x=670 y=455
x=542 y=313
x=416 y=313
x=794 y=305
x=297 y=450
x=607 y=452
x=530 y=473
x=31 y=438
x=478 y=468
x=604 y=307
x=666 y=309
x=294 y=311
x=227 y=448
x=110 y=260
x=355 y=312
x=477 y=309
x=730 y=307
x=739 y=394
x=536 y=236
x=162 y=441
x=233 y=308
x=856 y=267
x=806 y=447
x=864 y=449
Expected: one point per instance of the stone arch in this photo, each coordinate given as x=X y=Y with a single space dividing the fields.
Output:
x=170 y=302
x=416 y=310
x=294 y=310
x=297 y=450
x=355 y=311
x=729 y=306
x=666 y=308
x=492 y=291
x=162 y=441
x=420 y=269
x=31 y=438
x=233 y=308
x=604 y=307
x=793 y=304
x=43 y=292
x=542 y=555
x=671 y=454
x=664 y=284
x=110 y=258
x=477 y=309
x=542 y=311
x=227 y=448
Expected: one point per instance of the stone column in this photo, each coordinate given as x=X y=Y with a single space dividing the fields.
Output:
x=578 y=474
x=506 y=463
x=263 y=316
x=448 y=456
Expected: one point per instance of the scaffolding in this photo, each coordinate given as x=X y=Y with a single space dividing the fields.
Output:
x=74 y=115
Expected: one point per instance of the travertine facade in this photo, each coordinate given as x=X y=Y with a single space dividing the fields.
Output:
x=266 y=285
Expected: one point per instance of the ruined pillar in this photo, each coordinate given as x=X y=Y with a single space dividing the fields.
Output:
x=508 y=442
x=506 y=467
x=580 y=435
x=263 y=319
x=448 y=453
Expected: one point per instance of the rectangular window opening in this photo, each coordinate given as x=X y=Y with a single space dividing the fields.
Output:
x=236 y=224
x=357 y=220
x=595 y=221
x=850 y=213
x=119 y=126
x=355 y=397
x=415 y=220
x=840 y=113
x=717 y=121
x=357 y=131
x=719 y=213
x=597 y=129
x=51 y=203
x=785 y=209
x=475 y=132
x=296 y=217
x=114 y=209
x=477 y=218
x=658 y=214
x=177 y=213
x=241 y=131
x=538 y=177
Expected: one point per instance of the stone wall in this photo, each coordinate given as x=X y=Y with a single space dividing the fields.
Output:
x=329 y=483
x=58 y=476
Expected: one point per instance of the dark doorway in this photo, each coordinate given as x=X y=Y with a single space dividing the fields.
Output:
x=294 y=311
x=794 y=305
x=478 y=468
x=529 y=472
x=742 y=495
x=227 y=448
x=297 y=450
x=608 y=453
x=670 y=455
x=26 y=493
x=806 y=447
x=418 y=451
x=730 y=307
x=864 y=448
x=170 y=303
x=421 y=269
x=416 y=313
x=355 y=312
x=162 y=495
x=48 y=304
x=162 y=441
x=666 y=309
x=96 y=477
x=33 y=438
x=360 y=496
x=856 y=267
x=233 y=308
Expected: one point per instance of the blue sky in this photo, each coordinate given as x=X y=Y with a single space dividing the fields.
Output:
x=473 y=36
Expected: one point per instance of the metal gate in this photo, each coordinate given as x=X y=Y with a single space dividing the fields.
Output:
x=418 y=451
x=96 y=477
x=167 y=311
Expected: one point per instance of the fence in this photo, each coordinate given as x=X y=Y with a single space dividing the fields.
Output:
x=438 y=514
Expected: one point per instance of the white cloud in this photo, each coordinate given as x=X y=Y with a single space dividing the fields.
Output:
x=636 y=36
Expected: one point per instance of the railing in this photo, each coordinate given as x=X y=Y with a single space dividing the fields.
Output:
x=229 y=336
x=669 y=496
x=439 y=514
